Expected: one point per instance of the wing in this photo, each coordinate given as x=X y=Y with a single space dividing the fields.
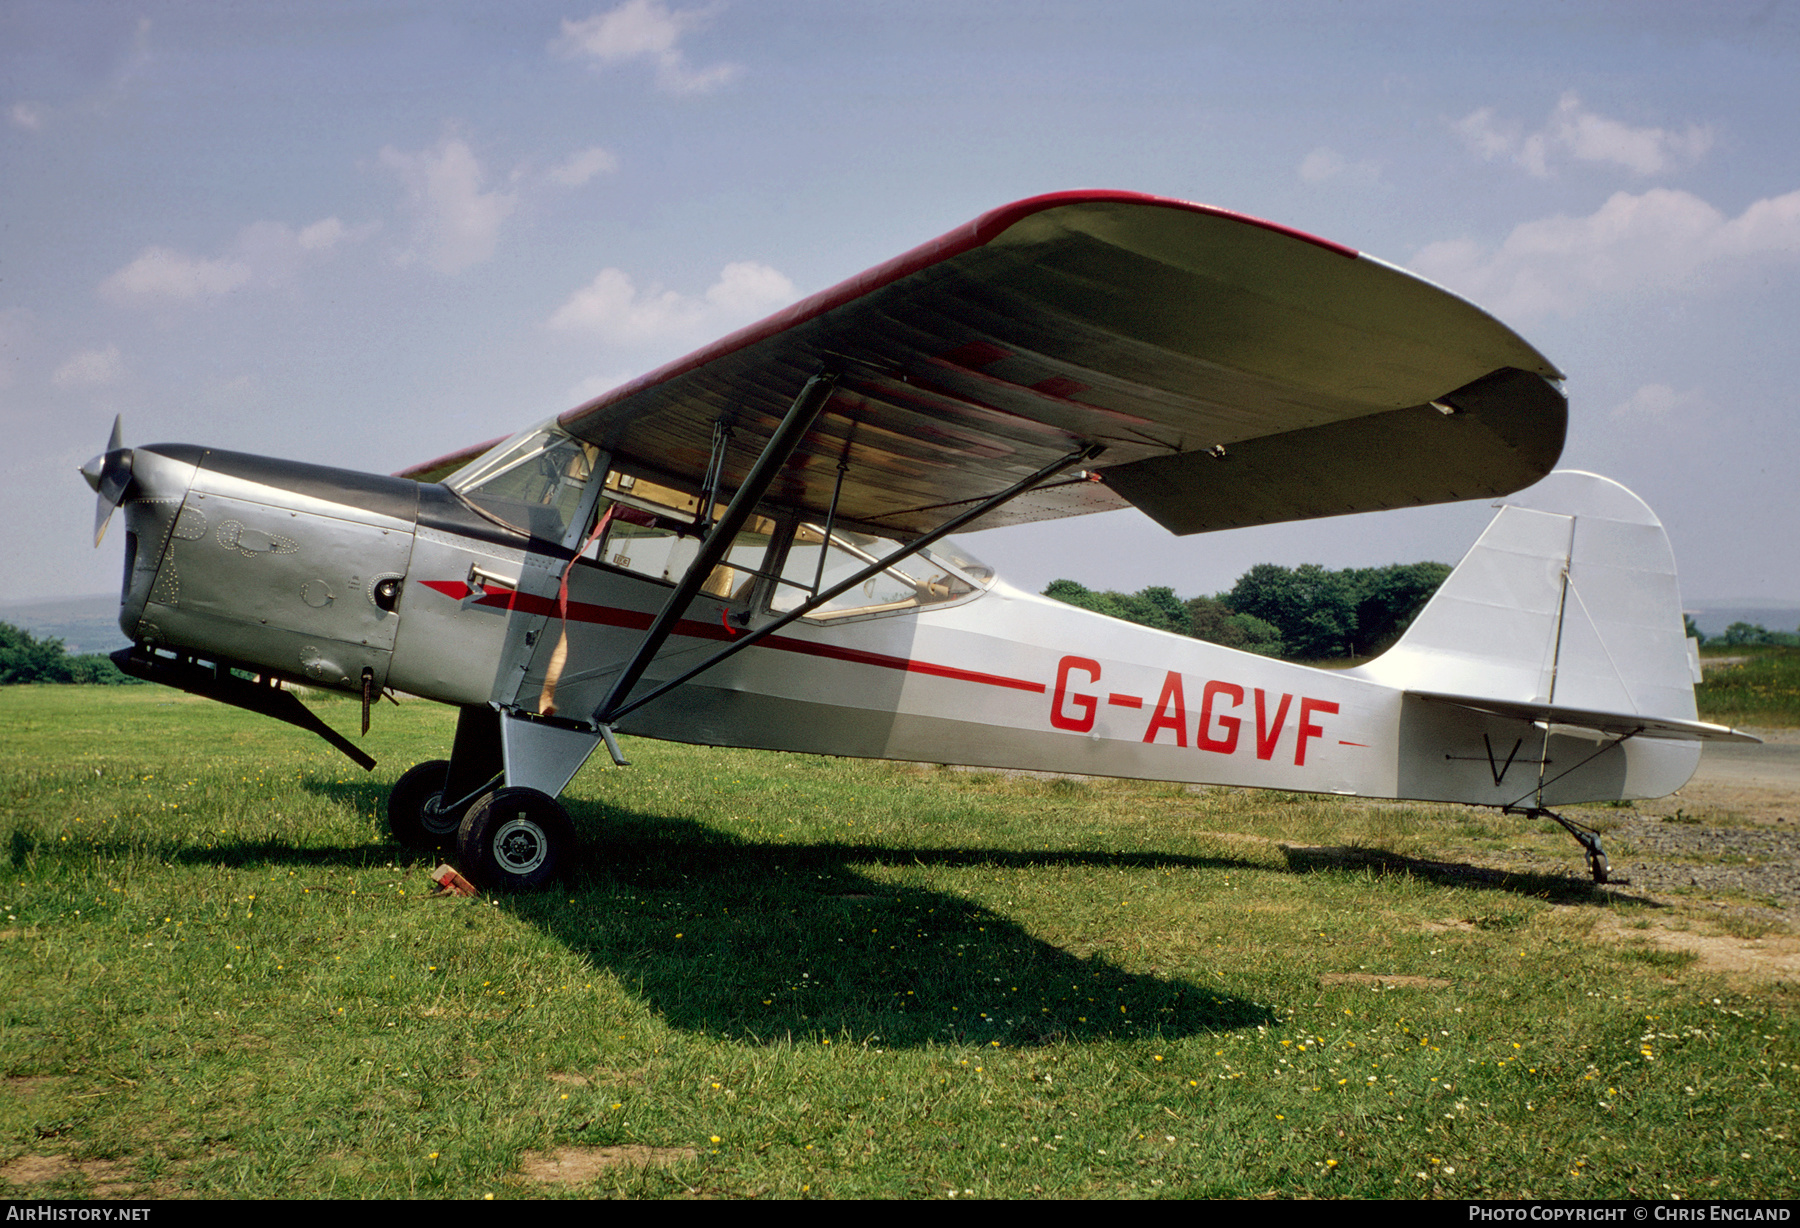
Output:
x=1236 y=372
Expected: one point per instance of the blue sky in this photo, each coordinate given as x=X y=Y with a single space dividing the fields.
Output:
x=367 y=234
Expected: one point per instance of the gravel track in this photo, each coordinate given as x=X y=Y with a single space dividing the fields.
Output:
x=1735 y=827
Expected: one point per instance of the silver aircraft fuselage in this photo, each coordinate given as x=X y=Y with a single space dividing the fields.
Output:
x=339 y=579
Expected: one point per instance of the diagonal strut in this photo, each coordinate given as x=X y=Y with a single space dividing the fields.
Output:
x=775 y=454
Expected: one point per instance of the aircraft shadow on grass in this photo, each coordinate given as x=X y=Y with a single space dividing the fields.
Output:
x=1550 y=887
x=767 y=941
x=780 y=940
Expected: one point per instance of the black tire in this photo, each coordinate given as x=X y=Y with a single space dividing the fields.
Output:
x=414 y=816
x=514 y=840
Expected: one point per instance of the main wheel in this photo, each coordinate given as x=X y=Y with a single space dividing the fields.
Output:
x=415 y=814
x=514 y=840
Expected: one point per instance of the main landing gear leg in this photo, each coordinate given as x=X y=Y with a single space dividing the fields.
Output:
x=517 y=838
x=427 y=804
x=511 y=838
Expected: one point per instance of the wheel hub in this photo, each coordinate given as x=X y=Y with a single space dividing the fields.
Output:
x=520 y=846
x=435 y=819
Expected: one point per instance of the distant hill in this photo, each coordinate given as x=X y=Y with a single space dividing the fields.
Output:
x=91 y=624
x=1713 y=617
x=83 y=624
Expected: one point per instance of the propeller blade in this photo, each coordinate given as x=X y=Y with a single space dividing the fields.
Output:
x=108 y=475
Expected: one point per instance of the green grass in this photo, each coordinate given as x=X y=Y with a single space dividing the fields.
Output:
x=1754 y=684
x=792 y=976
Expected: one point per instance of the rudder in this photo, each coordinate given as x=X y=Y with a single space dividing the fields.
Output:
x=1569 y=599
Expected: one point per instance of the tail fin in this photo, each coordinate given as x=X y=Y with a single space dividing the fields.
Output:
x=1567 y=611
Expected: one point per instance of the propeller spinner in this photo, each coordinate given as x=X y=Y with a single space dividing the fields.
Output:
x=108 y=474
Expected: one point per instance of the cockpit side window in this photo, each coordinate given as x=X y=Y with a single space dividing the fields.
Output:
x=650 y=531
x=533 y=482
x=814 y=564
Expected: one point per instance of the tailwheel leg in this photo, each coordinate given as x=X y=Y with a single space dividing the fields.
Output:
x=1589 y=840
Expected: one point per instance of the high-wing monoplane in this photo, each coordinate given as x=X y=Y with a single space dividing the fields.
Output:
x=749 y=547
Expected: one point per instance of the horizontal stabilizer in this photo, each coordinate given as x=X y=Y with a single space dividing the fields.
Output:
x=1616 y=723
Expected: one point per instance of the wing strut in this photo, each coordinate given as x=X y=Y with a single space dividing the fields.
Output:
x=607 y=713
x=775 y=454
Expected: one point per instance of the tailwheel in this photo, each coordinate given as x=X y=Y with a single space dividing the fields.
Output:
x=1590 y=843
x=417 y=816
x=514 y=840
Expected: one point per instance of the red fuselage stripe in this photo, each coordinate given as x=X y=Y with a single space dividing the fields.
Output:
x=612 y=616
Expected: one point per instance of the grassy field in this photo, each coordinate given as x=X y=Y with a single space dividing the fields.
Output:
x=1756 y=684
x=783 y=976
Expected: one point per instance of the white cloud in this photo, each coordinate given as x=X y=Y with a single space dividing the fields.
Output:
x=747 y=288
x=1486 y=136
x=26 y=115
x=1324 y=164
x=1574 y=132
x=611 y=307
x=458 y=223
x=137 y=59
x=579 y=167
x=1659 y=403
x=90 y=369
x=264 y=253
x=1644 y=151
x=164 y=273
x=274 y=250
x=323 y=235
x=645 y=30
x=1631 y=245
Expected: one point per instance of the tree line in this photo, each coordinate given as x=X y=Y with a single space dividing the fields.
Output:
x=25 y=658
x=1742 y=633
x=1304 y=613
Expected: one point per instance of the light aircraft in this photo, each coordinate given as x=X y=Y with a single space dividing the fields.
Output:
x=748 y=547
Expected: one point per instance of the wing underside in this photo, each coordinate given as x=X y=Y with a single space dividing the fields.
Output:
x=1234 y=372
